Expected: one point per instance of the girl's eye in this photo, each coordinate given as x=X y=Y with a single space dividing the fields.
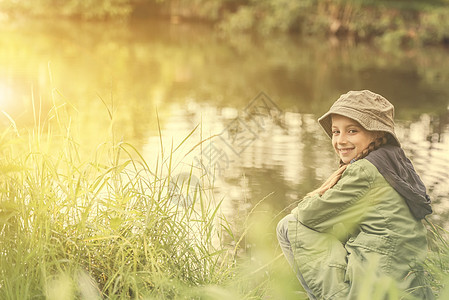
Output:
x=334 y=132
x=352 y=131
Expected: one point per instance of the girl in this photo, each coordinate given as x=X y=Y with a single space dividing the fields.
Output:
x=363 y=226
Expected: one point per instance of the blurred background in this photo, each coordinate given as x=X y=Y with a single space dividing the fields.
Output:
x=179 y=63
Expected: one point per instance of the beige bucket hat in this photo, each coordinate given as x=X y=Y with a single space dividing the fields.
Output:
x=372 y=111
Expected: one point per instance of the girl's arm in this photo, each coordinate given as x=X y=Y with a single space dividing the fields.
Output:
x=330 y=182
x=340 y=205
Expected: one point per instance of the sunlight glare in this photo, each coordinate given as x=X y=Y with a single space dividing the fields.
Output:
x=5 y=96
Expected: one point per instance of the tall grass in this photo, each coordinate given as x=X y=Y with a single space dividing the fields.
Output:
x=105 y=227
x=437 y=263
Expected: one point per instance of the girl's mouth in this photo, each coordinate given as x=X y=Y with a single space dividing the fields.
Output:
x=345 y=150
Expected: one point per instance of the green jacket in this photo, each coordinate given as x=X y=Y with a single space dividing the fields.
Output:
x=359 y=238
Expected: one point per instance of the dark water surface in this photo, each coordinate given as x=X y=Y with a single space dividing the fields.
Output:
x=193 y=76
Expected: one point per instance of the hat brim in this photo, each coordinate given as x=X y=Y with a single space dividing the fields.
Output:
x=326 y=123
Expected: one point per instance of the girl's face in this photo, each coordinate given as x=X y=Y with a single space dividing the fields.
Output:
x=349 y=138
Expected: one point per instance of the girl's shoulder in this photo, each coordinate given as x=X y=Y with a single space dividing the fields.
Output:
x=362 y=168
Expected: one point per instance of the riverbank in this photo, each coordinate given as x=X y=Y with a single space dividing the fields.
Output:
x=405 y=23
x=103 y=226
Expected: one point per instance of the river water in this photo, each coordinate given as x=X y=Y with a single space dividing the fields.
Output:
x=253 y=100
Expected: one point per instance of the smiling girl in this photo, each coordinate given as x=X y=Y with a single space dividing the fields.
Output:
x=362 y=228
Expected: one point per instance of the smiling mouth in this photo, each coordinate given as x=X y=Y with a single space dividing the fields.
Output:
x=345 y=150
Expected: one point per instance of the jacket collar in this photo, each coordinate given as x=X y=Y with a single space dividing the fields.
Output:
x=398 y=171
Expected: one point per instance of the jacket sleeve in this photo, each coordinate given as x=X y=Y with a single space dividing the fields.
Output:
x=343 y=204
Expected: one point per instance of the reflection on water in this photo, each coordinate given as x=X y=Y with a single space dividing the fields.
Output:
x=192 y=77
x=427 y=143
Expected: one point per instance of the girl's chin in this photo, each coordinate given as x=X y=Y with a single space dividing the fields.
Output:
x=346 y=160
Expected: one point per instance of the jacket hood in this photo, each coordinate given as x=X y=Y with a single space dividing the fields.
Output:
x=398 y=171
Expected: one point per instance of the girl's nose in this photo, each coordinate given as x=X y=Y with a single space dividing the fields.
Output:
x=341 y=139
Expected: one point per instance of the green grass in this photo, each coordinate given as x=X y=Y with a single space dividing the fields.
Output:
x=437 y=263
x=106 y=227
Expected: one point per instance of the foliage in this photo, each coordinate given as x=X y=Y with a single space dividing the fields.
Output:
x=434 y=28
x=401 y=22
x=106 y=227
x=86 y=9
x=438 y=261
x=267 y=16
